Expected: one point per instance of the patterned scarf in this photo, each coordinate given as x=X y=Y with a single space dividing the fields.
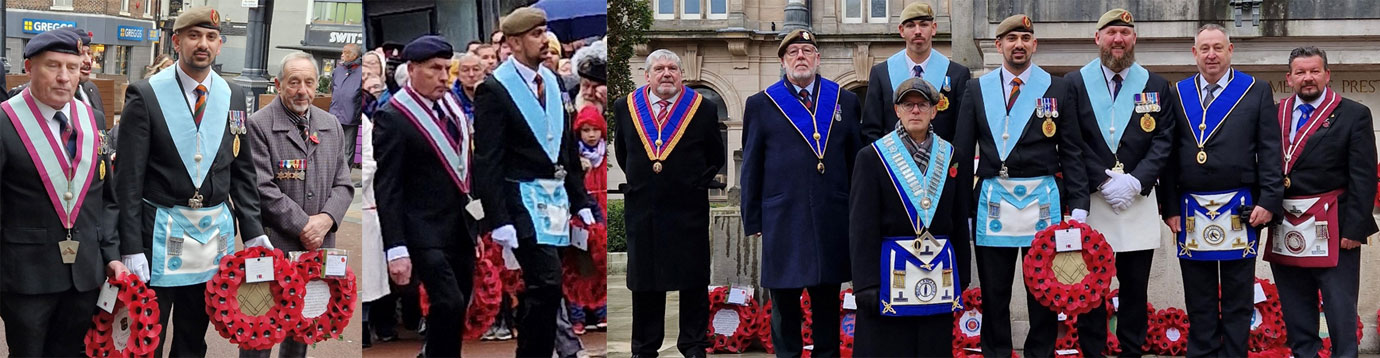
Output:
x=918 y=151
x=595 y=154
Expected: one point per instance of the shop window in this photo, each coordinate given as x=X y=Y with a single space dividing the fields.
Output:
x=337 y=13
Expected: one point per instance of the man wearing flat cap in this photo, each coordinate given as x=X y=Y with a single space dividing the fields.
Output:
x=183 y=159
x=59 y=239
x=903 y=232
x=529 y=174
x=1024 y=123
x=670 y=150
x=87 y=91
x=1125 y=116
x=800 y=136
x=422 y=142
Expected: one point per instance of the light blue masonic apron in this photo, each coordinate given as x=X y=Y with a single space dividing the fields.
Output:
x=545 y=199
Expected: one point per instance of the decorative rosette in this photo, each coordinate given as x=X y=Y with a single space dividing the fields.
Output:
x=283 y=310
x=584 y=281
x=134 y=322
x=1169 y=332
x=968 y=323
x=725 y=335
x=330 y=321
x=1267 y=320
x=1068 y=338
x=488 y=290
x=1081 y=296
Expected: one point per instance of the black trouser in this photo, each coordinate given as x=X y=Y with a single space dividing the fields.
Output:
x=1224 y=331
x=541 y=299
x=448 y=275
x=48 y=325
x=190 y=323
x=351 y=136
x=875 y=335
x=996 y=272
x=649 y=321
x=1298 y=296
x=1133 y=271
x=383 y=312
x=786 y=315
x=290 y=348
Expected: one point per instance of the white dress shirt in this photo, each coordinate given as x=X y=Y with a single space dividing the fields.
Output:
x=1221 y=85
x=48 y=112
x=189 y=86
x=1111 y=85
x=1007 y=77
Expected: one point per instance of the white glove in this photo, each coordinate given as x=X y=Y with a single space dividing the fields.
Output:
x=587 y=216
x=506 y=236
x=137 y=264
x=1079 y=215
x=261 y=241
x=1120 y=186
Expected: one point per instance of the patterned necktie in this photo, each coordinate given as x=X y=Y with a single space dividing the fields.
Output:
x=200 y=104
x=1015 y=92
x=1209 y=96
x=541 y=90
x=69 y=136
x=918 y=71
x=805 y=98
x=1117 y=80
x=1307 y=111
x=661 y=113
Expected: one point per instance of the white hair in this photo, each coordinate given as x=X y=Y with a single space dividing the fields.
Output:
x=466 y=56
x=598 y=49
x=663 y=54
x=293 y=56
x=400 y=74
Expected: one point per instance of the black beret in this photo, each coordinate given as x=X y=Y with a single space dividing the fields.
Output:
x=426 y=48
x=595 y=69
x=64 y=41
x=85 y=36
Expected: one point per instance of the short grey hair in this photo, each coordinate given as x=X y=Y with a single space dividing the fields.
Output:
x=663 y=54
x=1214 y=27
x=466 y=56
x=1307 y=51
x=297 y=55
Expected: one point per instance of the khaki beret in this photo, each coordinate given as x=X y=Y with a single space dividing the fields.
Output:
x=919 y=86
x=917 y=11
x=203 y=16
x=799 y=36
x=1116 y=17
x=522 y=20
x=1018 y=22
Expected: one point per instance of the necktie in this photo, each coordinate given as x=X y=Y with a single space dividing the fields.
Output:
x=1306 y=110
x=664 y=105
x=919 y=71
x=541 y=90
x=1209 y=96
x=69 y=136
x=1015 y=92
x=805 y=98
x=452 y=129
x=1116 y=79
x=200 y=104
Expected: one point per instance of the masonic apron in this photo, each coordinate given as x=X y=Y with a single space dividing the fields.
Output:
x=1308 y=235
x=545 y=199
x=918 y=272
x=1128 y=230
x=1215 y=225
x=1011 y=210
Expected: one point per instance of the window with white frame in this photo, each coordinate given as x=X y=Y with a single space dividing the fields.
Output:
x=691 y=9
x=62 y=4
x=852 y=11
x=124 y=7
x=665 y=9
x=877 y=11
x=718 y=9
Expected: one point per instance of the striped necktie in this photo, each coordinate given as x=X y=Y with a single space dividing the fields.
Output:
x=200 y=104
x=1015 y=92
x=69 y=136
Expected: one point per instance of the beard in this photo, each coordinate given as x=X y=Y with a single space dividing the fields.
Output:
x=801 y=76
x=1309 y=97
x=1115 y=63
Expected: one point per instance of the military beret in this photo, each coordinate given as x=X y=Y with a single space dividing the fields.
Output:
x=204 y=16
x=1116 y=17
x=799 y=36
x=64 y=41
x=427 y=47
x=85 y=36
x=594 y=69
x=917 y=11
x=1018 y=22
x=522 y=20
x=916 y=85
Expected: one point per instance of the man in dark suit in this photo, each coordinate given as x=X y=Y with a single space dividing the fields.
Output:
x=182 y=157
x=1024 y=123
x=422 y=145
x=303 y=180
x=667 y=205
x=800 y=138
x=1222 y=184
x=58 y=239
x=918 y=59
x=529 y=174
x=1329 y=146
x=1125 y=116
x=87 y=91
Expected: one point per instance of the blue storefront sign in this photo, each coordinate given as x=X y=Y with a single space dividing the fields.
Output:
x=153 y=35
x=38 y=26
x=130 y=33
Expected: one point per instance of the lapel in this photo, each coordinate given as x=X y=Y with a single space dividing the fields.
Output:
x=283 y=124
x=318 y=126
x=1319 y=137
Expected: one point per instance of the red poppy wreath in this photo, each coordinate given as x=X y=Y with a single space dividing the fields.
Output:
x=1061 y=281
x=328 y=301
x=131 y=327
x=729 y=326
x=255 y=315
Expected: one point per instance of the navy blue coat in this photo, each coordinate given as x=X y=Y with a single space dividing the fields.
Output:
x=801 y=213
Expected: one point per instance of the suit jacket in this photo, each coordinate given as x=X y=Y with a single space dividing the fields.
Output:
x=1034 y=154
x=1144 y=154
x=879 y=116
x=150 y=169
x=795 y=207
x=506 y=152
x=325 y=188
x=666 y=214
x=1338 y=155
x=88 y=88
x=1244 y=152
x=30 y=229
x=419 y=204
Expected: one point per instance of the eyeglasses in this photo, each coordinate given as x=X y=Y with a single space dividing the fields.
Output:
x=911 y=106
x=805 y=51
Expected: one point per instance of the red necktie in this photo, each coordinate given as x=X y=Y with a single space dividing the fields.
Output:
x=661 y=113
